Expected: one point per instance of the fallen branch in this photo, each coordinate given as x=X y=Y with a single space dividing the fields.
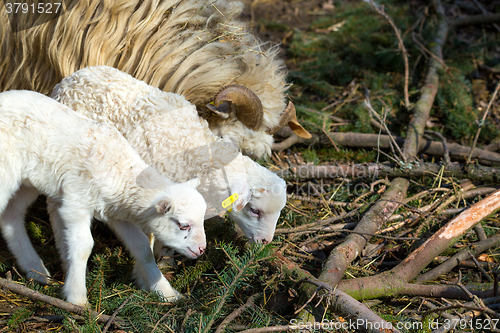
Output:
x=372 y=221
x=364 y=140
x=481 y=7
x=475 y=19
x=454 y=320
x=343 y=304
x=434 y=148
x=448 y=265
x=374 y=170
x=394 y=281
x=113 y=316
x=37 y=296
x=460 y=306
x=422 y=108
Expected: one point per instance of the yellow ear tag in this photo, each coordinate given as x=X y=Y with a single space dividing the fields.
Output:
x=228 y=201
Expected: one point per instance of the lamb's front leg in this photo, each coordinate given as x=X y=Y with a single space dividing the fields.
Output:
x=147 y=274
x=78 y=242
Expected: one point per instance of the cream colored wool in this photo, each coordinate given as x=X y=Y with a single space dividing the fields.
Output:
x=190 y=47
x=167 y=132
x=87 y=170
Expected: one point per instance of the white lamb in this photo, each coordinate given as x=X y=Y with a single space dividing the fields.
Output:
x=88 y=170
x=168 y=133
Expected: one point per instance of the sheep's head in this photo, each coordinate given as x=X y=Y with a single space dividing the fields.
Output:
x=246 y=106
x=262 y=197
x=259 y=216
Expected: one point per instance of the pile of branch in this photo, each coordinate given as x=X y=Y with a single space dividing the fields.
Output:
x=397 y=280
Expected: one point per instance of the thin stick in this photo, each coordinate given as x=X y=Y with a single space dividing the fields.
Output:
x=459 y=306
x=379 y=236
x=481 y=122
x=110 y=321
x=161 y=319
x=446 y=155
x=184 y=321
x=37 y=296
x=308 y=301
x=415 y=37
x=248 y=304
x=375 y=114
x=401 y=47
x=481 y=269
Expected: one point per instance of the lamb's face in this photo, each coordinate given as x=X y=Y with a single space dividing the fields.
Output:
x=259 y=216
x=179 y=224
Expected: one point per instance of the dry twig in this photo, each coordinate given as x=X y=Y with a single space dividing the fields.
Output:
x=248 y=304
x=112 y=318
x=380 y=10
x=481 y=122
x=37 y=296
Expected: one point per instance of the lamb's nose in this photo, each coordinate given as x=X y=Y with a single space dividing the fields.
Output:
x=202 y=250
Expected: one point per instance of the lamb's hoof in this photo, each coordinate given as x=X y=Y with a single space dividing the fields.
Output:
x=166 y=292
x=79 y=302
x=177 y=297
x=79 y=299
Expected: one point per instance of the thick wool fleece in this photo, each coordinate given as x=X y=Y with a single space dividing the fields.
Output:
x=189 y=47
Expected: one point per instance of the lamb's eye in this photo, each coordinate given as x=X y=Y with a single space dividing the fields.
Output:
x=255 y=212
x=185 y=226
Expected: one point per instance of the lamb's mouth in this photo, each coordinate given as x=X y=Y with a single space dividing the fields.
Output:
x=193 y=253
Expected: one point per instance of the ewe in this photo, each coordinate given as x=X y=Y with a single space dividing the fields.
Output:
x=167 y=132
x=190 y=47
x=88 y=170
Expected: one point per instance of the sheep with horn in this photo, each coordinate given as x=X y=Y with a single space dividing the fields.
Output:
x=190 y=47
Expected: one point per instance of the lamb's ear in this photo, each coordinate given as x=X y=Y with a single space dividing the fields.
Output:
x=194 y=183
x=244 y=195
x=163 y=206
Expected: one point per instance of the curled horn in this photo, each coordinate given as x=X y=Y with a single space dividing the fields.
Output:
x=289 y=116
x=241 y=101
